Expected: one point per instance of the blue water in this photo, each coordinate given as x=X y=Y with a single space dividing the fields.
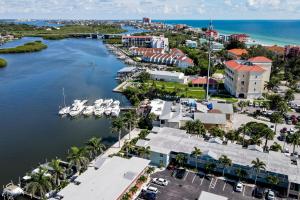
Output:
x=280 y=32
x=31 y=93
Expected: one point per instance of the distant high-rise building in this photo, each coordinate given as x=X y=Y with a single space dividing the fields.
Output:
x=147 y=20
x=292 y=51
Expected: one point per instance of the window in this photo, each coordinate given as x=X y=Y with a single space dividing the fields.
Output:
x=161 y=155
x=243 y=75
x=254 y=89
x=254 y=83
x=243 y=82
x=256 y=76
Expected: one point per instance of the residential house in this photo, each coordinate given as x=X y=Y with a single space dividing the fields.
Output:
x=165 y=143
x=236 y=53
x=202 y=82
x=191 y=44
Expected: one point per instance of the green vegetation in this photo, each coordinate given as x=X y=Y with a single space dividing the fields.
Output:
x=59 y=33
x=28 y=47
x=3 y=63
x=113 y=41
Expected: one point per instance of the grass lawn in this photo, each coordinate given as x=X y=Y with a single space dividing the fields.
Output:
x=193 y=92
x=220 y=71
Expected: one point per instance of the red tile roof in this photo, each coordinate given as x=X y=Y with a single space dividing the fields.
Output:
x=260 y=59
x=203 y=81
x=240 y=67
x=238 y=52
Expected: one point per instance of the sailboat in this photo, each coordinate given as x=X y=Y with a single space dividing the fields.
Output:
x=66 y=109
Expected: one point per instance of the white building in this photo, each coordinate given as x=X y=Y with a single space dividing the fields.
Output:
x=145 y=41
x=168 y=76
x=191 y=44
x=108 y=179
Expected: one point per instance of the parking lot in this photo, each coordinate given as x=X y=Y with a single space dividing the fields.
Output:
x=191 y=185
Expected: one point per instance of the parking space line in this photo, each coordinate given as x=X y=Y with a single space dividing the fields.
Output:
x=186 y=175
x=224 y=185
x=194 y=178
x=202 y=180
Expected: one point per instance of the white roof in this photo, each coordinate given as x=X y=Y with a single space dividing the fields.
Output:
x=206 y=195
x=108 y=182
x=167 y=73
x=127 y=69
x=157 y=106
x=170 y=139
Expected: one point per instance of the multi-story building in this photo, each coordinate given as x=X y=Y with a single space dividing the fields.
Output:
x=139 y=51
x=145 y=41
x=292 y=51
x=212 y=34
x=240 y=37
x=146 y=20
x=191 y=44
x=246 y=79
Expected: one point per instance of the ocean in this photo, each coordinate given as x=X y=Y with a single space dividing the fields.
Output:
x=269 y=32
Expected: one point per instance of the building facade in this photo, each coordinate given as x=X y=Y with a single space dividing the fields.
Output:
x=246 y=79
x=145 y=41
x=168 y=76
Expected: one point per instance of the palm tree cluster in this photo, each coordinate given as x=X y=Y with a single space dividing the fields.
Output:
x=44 y=180
x=195 y=128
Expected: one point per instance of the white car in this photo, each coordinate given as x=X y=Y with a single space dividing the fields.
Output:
x=239 y=187
x=151 y=189
x=270 y=195
x=292 y=130
x=160 y=181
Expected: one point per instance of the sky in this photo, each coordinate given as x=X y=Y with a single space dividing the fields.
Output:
x=156 y=9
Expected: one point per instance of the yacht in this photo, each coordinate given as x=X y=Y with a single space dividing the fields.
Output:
x=89 y=110
x=98 y=111
x=77 y=109
x=11 y=191
x=108 y=102
x=108 y=111
x=115 y=111
x=64 y=111
x=116 y=103
x=98 y=101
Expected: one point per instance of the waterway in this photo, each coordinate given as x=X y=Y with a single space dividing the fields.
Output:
x=31 y=92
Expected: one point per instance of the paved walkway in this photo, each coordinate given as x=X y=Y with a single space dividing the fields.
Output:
x=115 y=148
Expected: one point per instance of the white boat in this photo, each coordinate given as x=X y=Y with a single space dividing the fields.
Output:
x=99 y=111
x=99 y=101
x=76 y=110
x=89 y=110
x=108 y=102
x=64 y=111
x=76 y=102
x=84 y=102
x=108 y=111
x=115 y=112
x=116 y=103
x=12 y=190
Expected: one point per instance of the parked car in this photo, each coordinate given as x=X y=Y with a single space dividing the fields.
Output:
x=160 y=181
x=258 y=192
x=151 y=189
x=239 y=187
x=250 y=103
x=180 y=173
x=148 y=195
x=270 y=195
x=292 y=130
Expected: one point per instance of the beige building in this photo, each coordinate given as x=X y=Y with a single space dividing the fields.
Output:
x=246 y=79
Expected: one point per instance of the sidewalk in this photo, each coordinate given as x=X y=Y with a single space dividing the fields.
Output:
x=115 y=148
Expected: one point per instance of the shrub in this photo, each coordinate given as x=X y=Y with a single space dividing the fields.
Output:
x=3 y=63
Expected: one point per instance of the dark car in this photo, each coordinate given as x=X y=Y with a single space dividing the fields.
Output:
x=258 y=192
x=148 y=195
x=180 y=173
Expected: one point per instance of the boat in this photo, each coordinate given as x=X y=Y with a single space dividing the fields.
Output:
x=12 y=190
x=108 y=111
x=98 y=111
x=76 y=110
x=66 y=109
x=116 y=103
x=98 y=101
x=108 y=102
x=89 y=110
x=115 y=111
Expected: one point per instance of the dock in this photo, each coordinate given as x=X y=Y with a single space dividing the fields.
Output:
x=120 y=87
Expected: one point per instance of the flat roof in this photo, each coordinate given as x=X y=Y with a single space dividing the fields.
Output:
x=211 y=118
x=226 y=108
x=170 y=139
x=210 y=196
x=108 y=182
x=166 y=73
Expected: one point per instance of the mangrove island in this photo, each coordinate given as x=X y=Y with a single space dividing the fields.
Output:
x=27 y=47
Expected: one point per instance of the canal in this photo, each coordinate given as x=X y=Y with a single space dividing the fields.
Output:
x=31 y=92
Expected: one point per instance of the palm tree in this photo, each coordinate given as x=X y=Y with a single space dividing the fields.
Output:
x=199 y=128
x=186 y=89
x=189 y=126
x=209 y=167
x=258 y=165
x=130 y=119
x=117 y=126
x=40 y=184
x=273 y=180
x=95 y=146
x=295 y=140
x=242 y=104
x=225 y=162
x=128 y=147
x=241 y=173
x=196 y=153
x=180 y=159
x=58 y=171
x=276 y=118
x=77 y=158
x=144 y=152
x=245 y=130
x=269 y=135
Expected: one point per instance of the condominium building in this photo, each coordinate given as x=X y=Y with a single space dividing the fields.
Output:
x=146 y=20
x=191 y=44
x=145 y=41
x=292 y=51
x=246 y=79
x=165 y=143
x=240 y=37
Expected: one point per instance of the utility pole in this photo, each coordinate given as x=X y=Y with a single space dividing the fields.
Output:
x=209 y=56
